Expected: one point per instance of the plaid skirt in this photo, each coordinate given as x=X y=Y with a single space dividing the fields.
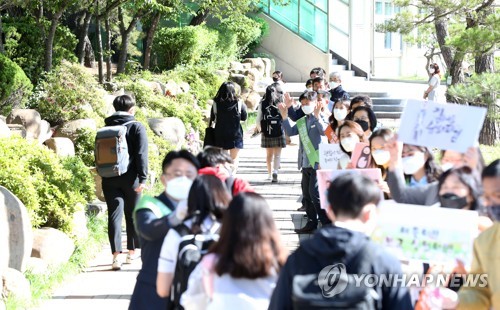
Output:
x=268 y=142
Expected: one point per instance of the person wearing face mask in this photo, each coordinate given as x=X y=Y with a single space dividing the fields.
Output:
x=153 y=217
x=335 y=85
x=350 y=134
x=486 y=259
x=207 y=200
x=472 y=158
x=459 y=188
x=380 y=155
x=366 y=118
x=214 y=161
x=419 y=165
x=310 y=129
x=432 y=92
x=340 y=111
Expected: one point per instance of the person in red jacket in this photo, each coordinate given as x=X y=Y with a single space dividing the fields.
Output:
x=214 y=161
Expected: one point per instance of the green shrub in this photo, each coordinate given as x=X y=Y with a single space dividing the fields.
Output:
x=85 y=145
x=248 y=31
x=264 y=32
x=15 y=87
x=24 y=44
x=51 y=188
x=67 y=93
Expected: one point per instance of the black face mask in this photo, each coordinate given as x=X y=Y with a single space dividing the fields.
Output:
x=452 y=201
x=275 y=79
x=364 y=124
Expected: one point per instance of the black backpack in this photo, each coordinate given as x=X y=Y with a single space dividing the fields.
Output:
x=307 y=292
x=192 y=248
x=271 y=121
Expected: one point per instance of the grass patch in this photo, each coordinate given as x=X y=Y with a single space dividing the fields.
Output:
x=490 y=152
x=250 y=122
x=43 y=285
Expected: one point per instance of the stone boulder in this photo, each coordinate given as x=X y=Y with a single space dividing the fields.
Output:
x=4 y=130
x=171 y=89
x=14 y=283
x=17 y=130
x=239 y=79
x=223 y=74
x=184 y=87
x=3 y=118
x=256 y=63
x=98 y=184
x=96 y=208
x=45 y=132
x=108 y=101
x=16 y=237
x=253 y=76
x=251 y=99
x=237 y=89
x=110 y=86
x=235 y=65
x=29 y=118
x=70 y=129
x=246 y=66
x=154 y=86
x=37 y=265
x=171 y=129
x=79 y=224
x=52 y=245
x=268 y=67
x=61 y=146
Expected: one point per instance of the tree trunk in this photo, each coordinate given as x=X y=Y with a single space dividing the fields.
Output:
x=149 y=41
x=49 y=42
x=199 y=18
x=441 y=26
x=484 y=63
x=83 y=32
x=2 y=50
x=490 y=133
x=125 y=34
x=99 y=45
x=89 y=58
x=108 y=49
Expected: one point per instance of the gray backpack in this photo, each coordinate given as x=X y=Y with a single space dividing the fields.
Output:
x=111 y=151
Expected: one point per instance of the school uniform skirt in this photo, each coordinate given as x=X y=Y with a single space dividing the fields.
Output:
x=269 y=142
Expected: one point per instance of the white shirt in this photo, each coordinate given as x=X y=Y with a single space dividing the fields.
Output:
x=170 y=246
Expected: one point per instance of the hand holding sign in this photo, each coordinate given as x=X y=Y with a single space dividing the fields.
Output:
x=445 y=126
x=329 y=155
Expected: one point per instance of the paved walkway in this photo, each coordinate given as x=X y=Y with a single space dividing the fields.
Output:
x=101 y=288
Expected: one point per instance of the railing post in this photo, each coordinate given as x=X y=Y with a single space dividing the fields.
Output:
x=349 y=50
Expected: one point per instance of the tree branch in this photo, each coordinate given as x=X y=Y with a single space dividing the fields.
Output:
x=110 y=8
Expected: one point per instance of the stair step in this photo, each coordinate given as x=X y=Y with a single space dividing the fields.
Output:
x=337 y=68
x=387 y=108
x=389 y=115
x=335 y=61
x=389 y=101
x=372 y=94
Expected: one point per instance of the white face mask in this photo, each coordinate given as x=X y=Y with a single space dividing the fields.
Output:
x=412 y=164
x=447 y=166
x=349 y=143
x=309 y=89
x=308 y=109
x=381 y=157
x=333 y=85
x=339 y=114
x=431 y=71
x=178 y=188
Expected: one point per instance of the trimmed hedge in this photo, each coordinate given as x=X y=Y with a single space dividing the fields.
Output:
x=14 y=86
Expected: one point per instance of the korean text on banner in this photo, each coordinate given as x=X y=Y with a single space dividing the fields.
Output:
x=444 y=126
x=329 y=155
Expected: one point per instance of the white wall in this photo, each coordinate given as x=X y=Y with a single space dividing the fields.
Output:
x=294 y=56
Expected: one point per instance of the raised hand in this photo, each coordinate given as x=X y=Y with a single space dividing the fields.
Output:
x=289 y=101
x=283 y=110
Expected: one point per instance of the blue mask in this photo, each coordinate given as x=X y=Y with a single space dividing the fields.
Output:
x=494 y=212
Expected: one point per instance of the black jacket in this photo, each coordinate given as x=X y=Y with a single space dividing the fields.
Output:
x=331 y=245
x=151 y=231
x=228 y=131
x=338 y=93
x=137 y=141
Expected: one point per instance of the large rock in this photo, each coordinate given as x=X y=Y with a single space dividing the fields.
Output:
x=70 y=129
x=18 y=130
x=154 y=86
x=223 y=74
x=61 y=146
x=52 y=245
x=29 y=118
x=45 y=131
x=108 y=100
x=98 y=184
x=79 y=224
x=16 y=237
x=237 y=89
x=96 y=208
x=171 y=129
x=171 y=89
x=256 y=63
x=37 y=265
x=251 y=100
x=235 y=65
x=3 y=118
x=4 y=130
x=268 y=67
x=110 y=86
x=239 y=79
x=14 y=283
x=253 y=76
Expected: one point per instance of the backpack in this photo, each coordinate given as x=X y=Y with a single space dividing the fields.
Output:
x=271 y=121
x=192 y=248
x=111 y=150
x=307 y=293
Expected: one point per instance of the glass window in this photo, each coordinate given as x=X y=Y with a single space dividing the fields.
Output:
x=388 y=40
x=388 y=9
x=287 y=15
x=378 y=8
x=313 y=25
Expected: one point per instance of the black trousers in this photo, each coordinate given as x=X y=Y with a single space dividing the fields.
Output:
x=311 y=199
x=121 y=198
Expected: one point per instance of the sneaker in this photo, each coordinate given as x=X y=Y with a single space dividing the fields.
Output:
x=130 y=258
x=117 y=264
x=275 y=177
x=269 y=177
x=307 y=229
x=301 y=209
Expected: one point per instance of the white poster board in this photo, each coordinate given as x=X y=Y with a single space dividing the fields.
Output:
x=329 y=155
x=426 y=233
x=444 y=126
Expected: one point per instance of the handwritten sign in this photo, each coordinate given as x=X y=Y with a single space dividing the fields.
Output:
x=329 y=155
x=420 y=233
x=326 y=176
x=445 y=126
x=361 y=156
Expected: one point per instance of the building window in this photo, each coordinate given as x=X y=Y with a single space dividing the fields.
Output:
x=378 y=8
x=388 y=40
x=388 y=9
